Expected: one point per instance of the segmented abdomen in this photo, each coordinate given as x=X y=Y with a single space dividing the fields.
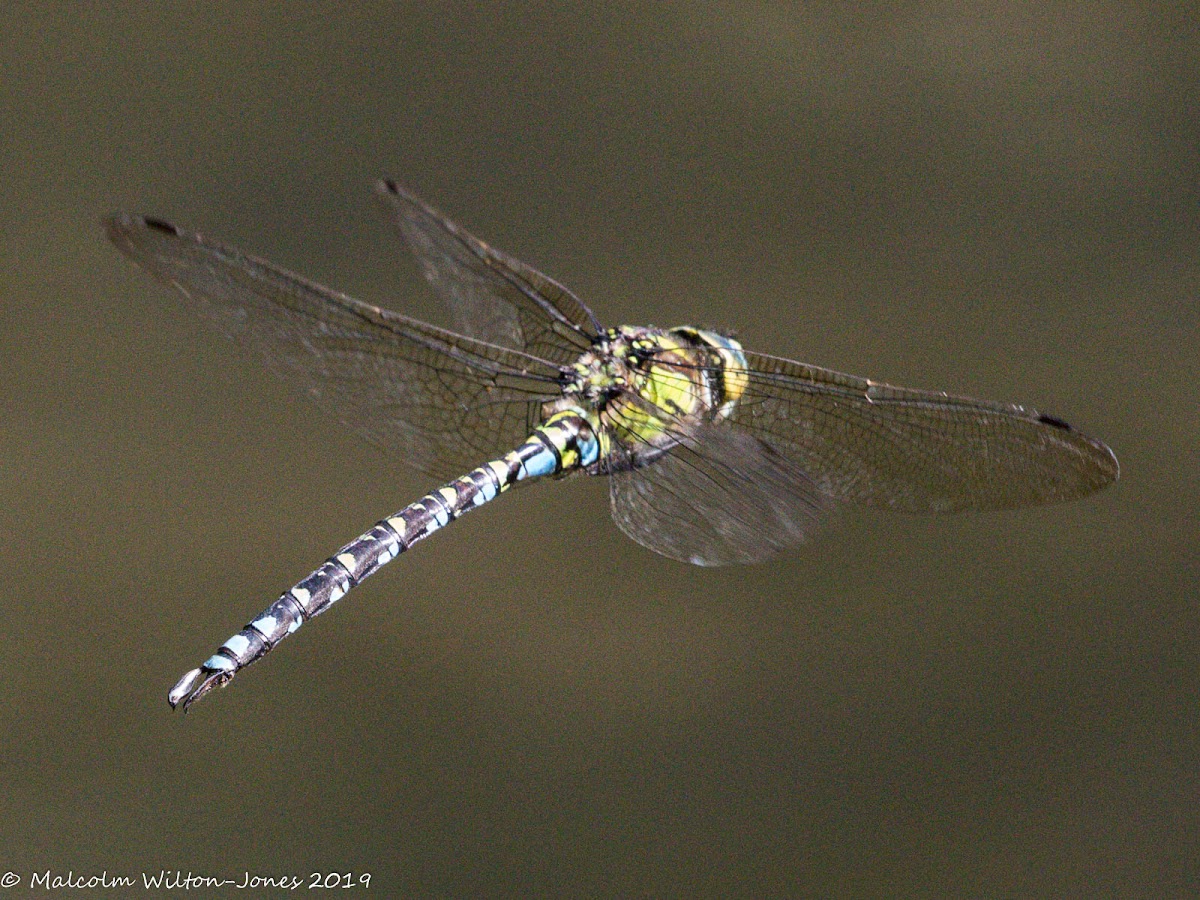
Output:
x=563 y=443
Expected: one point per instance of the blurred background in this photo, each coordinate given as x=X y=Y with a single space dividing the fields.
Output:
x=998 y=200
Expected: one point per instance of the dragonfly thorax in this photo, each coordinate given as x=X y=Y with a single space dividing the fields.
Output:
x=642 y=388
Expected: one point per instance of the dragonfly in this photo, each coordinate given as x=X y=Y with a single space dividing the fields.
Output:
x=714 y=454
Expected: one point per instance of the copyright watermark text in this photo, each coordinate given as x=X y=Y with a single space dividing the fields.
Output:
x=178 y=880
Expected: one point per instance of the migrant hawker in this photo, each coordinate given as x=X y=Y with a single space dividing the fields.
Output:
x=714 y=454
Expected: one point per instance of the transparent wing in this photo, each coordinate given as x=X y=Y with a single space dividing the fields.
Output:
x=444 y=400
x=494 y=297
x=719 y=497
x=746 y=488
x=917 y=451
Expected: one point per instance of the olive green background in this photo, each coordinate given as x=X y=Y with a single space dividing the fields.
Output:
x=1000 y=202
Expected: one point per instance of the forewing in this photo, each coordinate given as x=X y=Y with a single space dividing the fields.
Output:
x=718 y=497
x=494 y=297
x=918 y=451
x=443 y=400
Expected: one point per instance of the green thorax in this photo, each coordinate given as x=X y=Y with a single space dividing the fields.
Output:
x=642 y=388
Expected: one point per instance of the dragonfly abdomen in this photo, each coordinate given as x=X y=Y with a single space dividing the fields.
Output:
x=564 y=443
